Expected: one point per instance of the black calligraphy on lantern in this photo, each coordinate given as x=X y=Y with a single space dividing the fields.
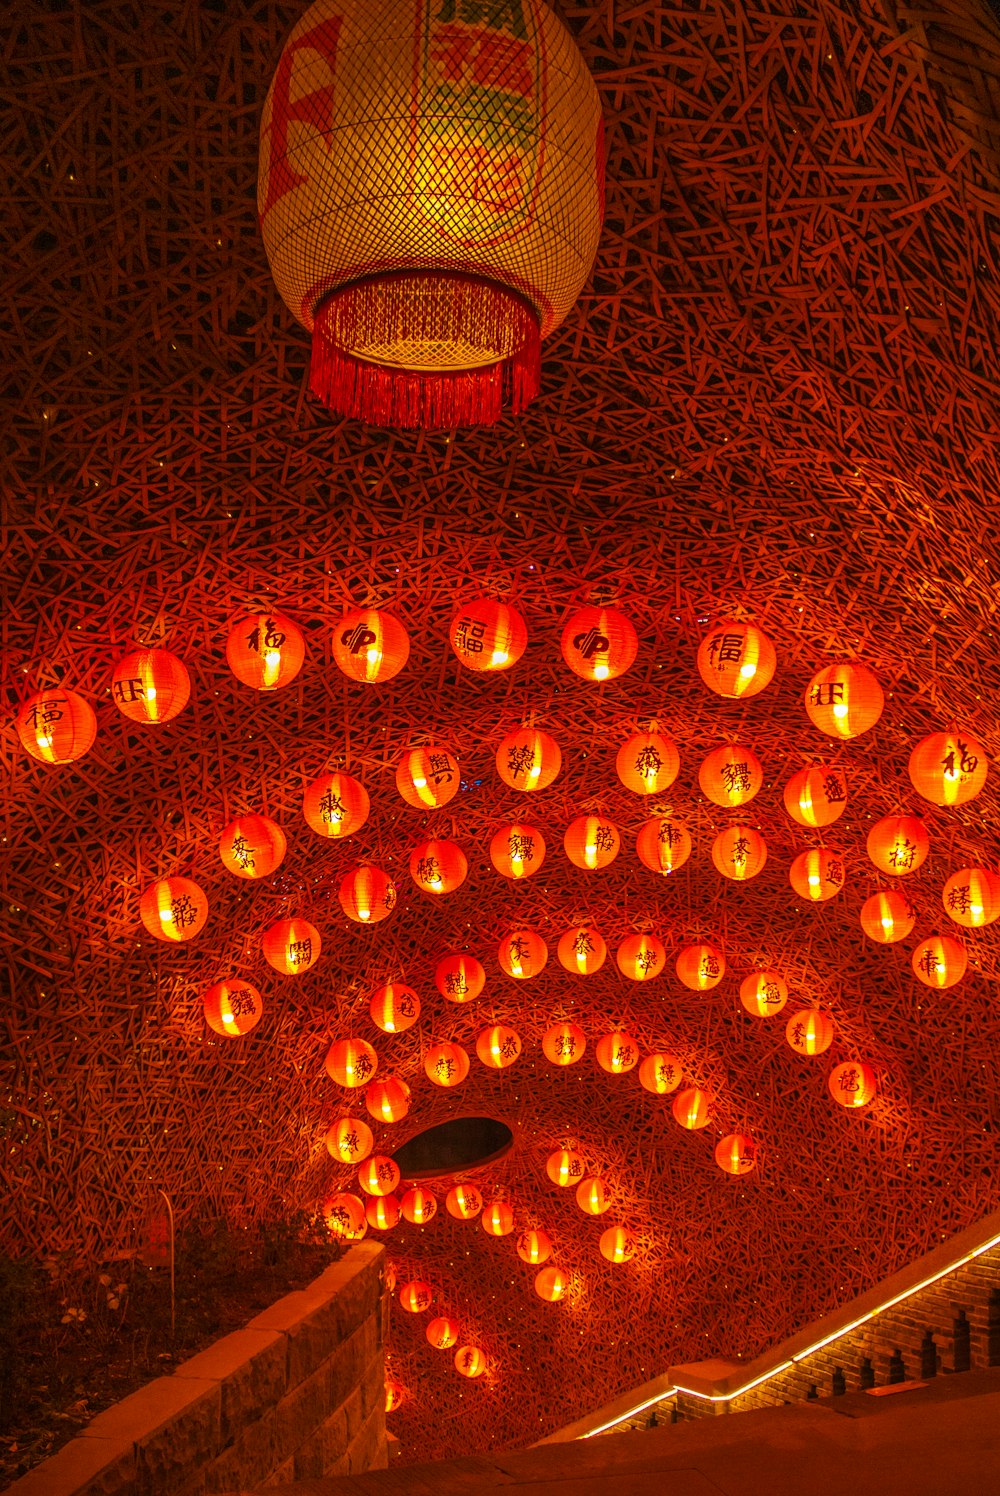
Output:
x=518 y=948
x=647 y=960
x=710 y=965
x=444 y=1067
x=469 y=636
x=384 y=1171
x=363 y=1067
x=725 y=649
x=243 y=852
x=648 y=762
x=129 y=690
x=241 y=1002
x=455 y=984
x=798 y=1034
x=669 y=834
x=389 y=900
x=604 y=839
x=582 y=943
x=741 y=851
x=331 y=808
x=510 y=1047
x=565 y=1046
x=827 y=693
x=521 y=847
x=930 y=962
x=182 y=911
x=439 y=768
x=575 y=1168
x=520 y=758
x=264 y=639
x=770 y=993
x=300 y=952
x=849 y=1080
x=349 y=1142
x=406 y=1005
x=429 y=870
x=624 y=1056
x=959 y=899
x=835 y=871
x=357 y=638
x=666 y=1073
x=44 y=713
x=736 y=778
x=591 y=643
x=902 y=853
x=966 y=761
x=834 y=788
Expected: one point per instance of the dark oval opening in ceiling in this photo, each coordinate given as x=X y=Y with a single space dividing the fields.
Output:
x=451 y=1147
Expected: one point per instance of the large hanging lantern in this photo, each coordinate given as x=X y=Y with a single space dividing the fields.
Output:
x=522 y=954
x=344 y=1215
x=487 y=635
x=442 y=1333
x=592 y=1196
x=497 y=1219
x=809 y=1031
x=582 y=950
x=731 y=775
x=430 y=197
x=150 y=685
x=663 y=845
x=394 y=1008
x=818 y=874
x=232 y=1008
x=736 y=660
x=736 y=1154
x=617 y=1052
x=416 y=1297
x=551 y=1284
x=898 y=844
x=852 y=1084
x=617 y=1244
x=438 y=867
x=378 y=1175
x=660 y=1074
x=764 y=993
x=948 y=768
x=565 y=1167
x=739 y=852
x=517 y=850
x=394 y=1394
x=428 y=778
x=528 y=760
x=382 y=1212
x=418 y=1206
x=470 y=1361
x=446 y=1064
x=816 y=796
x=463 y=1202
x=598 y=643
x=940 y=961
x=265 y=651
x=459 y=977
x=498 y=1046
x=56 y=726
x=367 y=894
x=370 y=645
x=971 y=897
x=648 y=763
x=351 y=1062
x=534 y=1247
x=592 y=842
x=387 y=1100
x=844 y=700
x=700 y=966
x=349 y=1140
x=691 y=1108
x=291 y=946
x=887 y=916
x=336 y=805
x=252 y=846
x=173 y=909
x=564 y=1044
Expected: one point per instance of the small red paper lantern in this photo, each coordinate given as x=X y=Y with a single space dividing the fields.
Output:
x=252 y=846
x=382 y=1212
x=663 y=845
x=173 y=909
x=291 y=946
x=700 y=966
x=898 y=844
x=691 y=1108
x=498 y=1046
x=641 y=957
x=370 y=645
x=394 y=1394
x=617 y=1244
x=470 y=1361
x=818 y=874
x=442 y=1333
x=852 y=1084
x=438 y=867
x=844 y=700
x=565 y=1167
x=446 y=1064
x=731 y=775
x=335 y=805
x=265 y=651
x=416 y=1297
x=56 y=726
x=428 y=778
x=463 y=1201
x=459 y=978
x=522 y=954
x=349 y=1140
x=816 y=796
x=517 y=850
x=388 y=1100
x=378 y=1175
x=394 y=1008
x=764 y=993
x=497 y=1219
x=551 y=1284
x=887 y=916
x=648 y=763
x=598 y=643
x=940 y=961
x=351 y=1062
x=418 y=1206
x=736 y=660
x=563 y=1044
x=592 y=1197
x=739 y=852
x=736 y=1153
x=528 y=760
x=809 y=1031
x=487 y=635
x=150 y=685
x=582 y=950
x=592 y=842
x=948 y=768
x=344 y=1215
x=534 y=1247
x=617 y=1052
x=660 y=1074
x=232 y=1008
x=971 y=897
x=367 y=894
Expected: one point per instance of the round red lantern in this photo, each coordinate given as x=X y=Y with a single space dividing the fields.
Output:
x=887 y=916
x=971 y=897
x=517 y=850
x=816 y=796
x=948 y=768
x=663 y=845
x=809 y=1031
x=252 y=846
x=497 y=1219
x=370 y=645
x=641 y=957
x=736 y=660
x=731 y=775
x=563 y=1044
x=582 y=950
x=378 y=1175
x=551 y=1284
x=351 y=1062
x=592 y=1197
x=898 y=844
x=463 y=1201
x=150 y=685
x=739 y=852
x=382 y=1212
x=446 y=1064
x=265 y=651
x=335 y=805
x=459 y=978
x=522 y=954
x=528 y=760
x=691 y=1108
x=291 y=946
x=736 y=1153
x=344 y=1215
x=700 y=966
x=442 y=1333
x=173 y=909
x=592 y=842
x=940 y=961
x=534 y=1247
x=394 y=1394
x=565 y=1167
x=232 y=1008
x=852 y=1084
x=394 y=1008
x=498 y=1046
x=56 y=726
x=349 y=1140
x=844 y=700
x=388 y=1100
x=764 y=993
x=418 y=1206
x=598 y=643
x=487 y=635
x=617 y=1052
x=428 y=778
x=660 y=1074
x=438 y=867
x=416 y=1297
x=617 y=1244
x=818 y=874
x=470 y=1361
x=367 y=894
x=648 y=763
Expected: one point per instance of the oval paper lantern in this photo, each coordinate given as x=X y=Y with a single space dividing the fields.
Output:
x=498 y=1046
x=349 y=1140
x=731 y=775
x=736 y=1153
x=232 y=1008
x=463 y=1201
x=592 y=1197
x=378 y=1175
x=940 y=961
x=816 y=796
x=582 y=950
x=446 y=1064
x=764 y=993
x=344 y=1215
x=551 y=1284
x=701 y=966
x=852 y=1084
x=648 y=763
x=442 y=1333
x=592 y=842
x=252 y=846
x=565 y=1167
x=739 y=852
x=617 y=1052
x=517 y=850
x=663 y=845
x=459 y=978
x=691 y=1108
x=488 y=636
x=470 y=1361
x=534 y=1247
x=641 y=957
x=660 y=1074
x=971 y=897
x=598 y=643
x=56 y=726
x=382 y=1212
x=388 y=1100
x=844 y=700
x=497 y=1219
x=438 y=867
x=528 y=760
x=173 y=909
x=522 y=954
x=335 y=805
x=887 y=916
x=150 y=685
x=809 y=1031
x=736 y=660
x=818 y=874
x=265 y=651
x=351 y=1062
x=948 y=768
x=367 y=894
x=617 y=1244
x=418 y=1206
x=898 y=844
x=291 y=946
x=416 y=1297
x=563 y=1044
x=370 y=645
x=394 y=1008
x=394 y=1394
x=428 y=778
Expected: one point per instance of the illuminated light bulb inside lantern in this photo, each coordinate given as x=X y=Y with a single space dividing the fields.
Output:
x=272 y=666
x=600 y=672
x=499 y=659
x=814 y=880
x=420 y=784
x=840 y=709
x=748 y=671
x=228 y=1018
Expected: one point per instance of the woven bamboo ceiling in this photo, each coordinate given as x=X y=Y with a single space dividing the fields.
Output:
x=778 y=398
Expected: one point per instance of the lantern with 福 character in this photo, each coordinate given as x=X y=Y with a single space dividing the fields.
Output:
x=948 y=768
x=522 y=954
x=592 y=842
x=971 y=897
x=764 y=993
x=335 y=805
x=809 y=1031
x=344 y=1216
x=497 y=1219
x=174 y=909
x=394 y=1008
x=351 y=1062
x=388 y=1099
x=463 y=1202
x=470 y=1361
x=498 y=1046
x=442 y=1333
x=252 y=846
x=232 y=1008
x=459 y=977
x=534 y=1247
x=617 y=1052
x=416 y=1297
x=898 y=844
x=367 y=894
x=700 y=966
x=940 y=961
x=818 y=874
x=56 y=726
x=660 y=1074
x=592 y=1196
x=291 y=946
x=438 y=866
x=487 y=635
x=551 y=1284
x=598 y=643
x=370 y=645
x=663 y=845
x=418 y=1206
x=428 y=778
x=564 y=1044
x=844 y=700
x=446 y=1064
x=852 y=1084
x=265 y=651
x=730 y=775
x=739 y=852
x=528 y=760
x=150 y=685
x=617 y=1244
x=648 y=762
x=517 y=850
x=565 y=1167
x=378 y=1175
x=582 y=950
x=887 y=916
x=349 y=1140
x=394 y=1394
x=816 y=796
x=641 y=957
x=736 y=1153
x=691 y=1108
x=736 y=660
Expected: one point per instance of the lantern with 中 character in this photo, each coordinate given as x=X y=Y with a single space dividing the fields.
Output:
x=265 y=651
x=497 y=1219
x=764 y=993
x=700 y=966
x=388 y=1099
x=446 y=1064
x=551 y=1284
x=617 y=1244
x=598 y=643
x=56 y=726
x=349 y=1140
x=641 y=957
x=528 y=760
x=852 y=1084
x=438 y=867
x=498 y=1046
x=691 y=1108
x=809 y=1032
x=948 y=768
x=887 y=916
x=335 y=805
x=367 y=894
x=736 y=660
x=617 y=1052
x=463 y=1201
x=736 y=1153
x=844 y=700
x=663 y=845
x=592 y=842
x=470 y=1361
x=442 y=1333
x=564 y=1044
x=816 y=796
x=488 y=636
x=971 y=897
x=517 y=850
x=739 y=852
x=428 y=778
x=150 y=685
x=898 y=844
x=660 y=1074
x=291 y=946
x=459 y=977
x=394 y=1008
x=173 y=909
x=534 y=1247
x=522 y=954
x=252 y=846
x=648 y=763
x=232 y=1008
x=731 y=775
x=344 y=1215
x=351 y=1062
x=370 y=645
x=940 y=961
x=818 y=874
x=582 y=950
